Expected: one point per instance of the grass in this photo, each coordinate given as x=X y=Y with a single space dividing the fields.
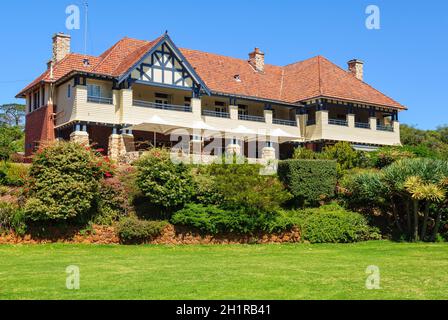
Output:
x=324 y=271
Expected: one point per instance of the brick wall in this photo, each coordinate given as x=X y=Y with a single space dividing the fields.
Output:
x=39 y=128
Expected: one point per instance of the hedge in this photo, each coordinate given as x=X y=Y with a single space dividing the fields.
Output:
x=309 y=181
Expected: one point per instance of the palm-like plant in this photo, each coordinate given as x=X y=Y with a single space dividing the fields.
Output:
x=421 y=191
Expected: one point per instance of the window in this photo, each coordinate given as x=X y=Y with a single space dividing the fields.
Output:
x=94 y=90
x=187 y=102
x=162 y=98
x=69 y=91
x=242 y=110
x=35 y=101
x=220 y=106
x=43 y=96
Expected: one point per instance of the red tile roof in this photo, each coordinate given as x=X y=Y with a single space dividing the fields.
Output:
x=312 y=78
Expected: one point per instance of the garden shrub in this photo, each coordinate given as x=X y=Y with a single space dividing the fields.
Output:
x=346 y=157
x=162 y=182
x=304 y=153
x=13 y=174
x=11 y=219
x=241 y=186
x=63 y=182
x=385 y=156
x=333 y=224
x=133 y=230
x=309 y=181
x=362 y=189
x=112 y=202
x=213 y=220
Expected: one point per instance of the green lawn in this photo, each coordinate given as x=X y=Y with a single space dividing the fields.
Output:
x=408 y=271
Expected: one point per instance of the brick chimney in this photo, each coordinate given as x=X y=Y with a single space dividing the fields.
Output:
x=356 y=68
x=256 y=59
x=61 y=46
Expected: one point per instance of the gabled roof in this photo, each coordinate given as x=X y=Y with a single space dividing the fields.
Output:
x=308 y=79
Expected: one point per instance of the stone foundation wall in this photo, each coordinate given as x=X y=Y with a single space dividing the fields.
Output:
x=171 y=235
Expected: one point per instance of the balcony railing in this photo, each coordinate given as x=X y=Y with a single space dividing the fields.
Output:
x=338 y=122
x=148 y=104
x=251 y=118
x=291 y=123
x=217 y=114
x=101 y=100
x=311 y=122
x=385 y=128
x=362 y=125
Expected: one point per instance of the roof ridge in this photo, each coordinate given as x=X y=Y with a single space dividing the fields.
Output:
x=363 y=82
x=301 y=61
x=319 y=75
x=228 y=57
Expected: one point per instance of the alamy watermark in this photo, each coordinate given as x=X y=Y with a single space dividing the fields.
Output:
x=72 y=281
x=373 y=278
x=373 y=20
x=73 y=20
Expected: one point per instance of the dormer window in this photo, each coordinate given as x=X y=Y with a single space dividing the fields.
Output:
x=237 y=78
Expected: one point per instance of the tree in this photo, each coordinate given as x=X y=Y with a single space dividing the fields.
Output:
x=11 y=140
x=12 y=114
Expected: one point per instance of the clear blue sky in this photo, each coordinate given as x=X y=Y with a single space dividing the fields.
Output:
x=406 y=58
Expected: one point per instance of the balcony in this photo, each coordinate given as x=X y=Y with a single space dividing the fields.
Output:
x=282 y=122
x=311 y=122
x=385 y=128
x=362 y=125
x=216 y=114
x=162 y=106
x=100 y=100
x=251 y=118
x=338 y=122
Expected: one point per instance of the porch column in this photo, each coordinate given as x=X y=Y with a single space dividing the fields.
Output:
x=301 y=119
x=268 y=152
x=372 y=121
x=396 y=126
x=233 y=110
x=351 y=120
x=233 y=148
x=128 y=140
x=125 y=105
x=80 y=135
x=196 y=107
x=268 y=116
x=322 y=117
x=116 y=145
x=196 y=145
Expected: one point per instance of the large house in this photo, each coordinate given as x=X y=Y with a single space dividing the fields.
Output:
x=137 y=92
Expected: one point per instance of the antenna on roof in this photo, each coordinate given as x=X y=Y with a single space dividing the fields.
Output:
x=86 y=20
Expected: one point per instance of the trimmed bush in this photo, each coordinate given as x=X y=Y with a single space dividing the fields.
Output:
x=213 y=220
x=241 y=187
x=11 y=219
x=309 y=181
x=164 y=183
x=133 y=230
x=63 y=182
x=333 y=224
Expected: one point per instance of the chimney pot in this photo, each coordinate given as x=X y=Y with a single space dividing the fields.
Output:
x=256 y=60
x=61 y=46
x=356 y=68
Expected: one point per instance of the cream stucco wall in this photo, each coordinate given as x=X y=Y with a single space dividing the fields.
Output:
x=123 y=111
